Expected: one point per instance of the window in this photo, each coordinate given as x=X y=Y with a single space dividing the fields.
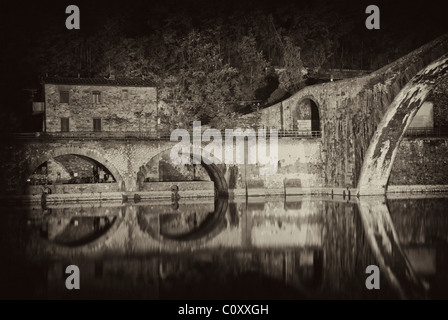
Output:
x=97 y=124
x=124 y=94
x=64 y=96
x=96 y=97
x=64 y=124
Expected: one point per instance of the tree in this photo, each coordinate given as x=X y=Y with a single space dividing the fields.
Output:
x=291 y=78
x=251 y=66
x=203 y=87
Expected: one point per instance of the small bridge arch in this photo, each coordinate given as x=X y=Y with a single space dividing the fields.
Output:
x=92 y=154
x=215 y=172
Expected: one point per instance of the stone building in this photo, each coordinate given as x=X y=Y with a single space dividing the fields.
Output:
x=92 y=106
x=99 y=104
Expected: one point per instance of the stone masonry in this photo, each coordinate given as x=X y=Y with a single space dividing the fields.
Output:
x=421 y=162
x=116 y=105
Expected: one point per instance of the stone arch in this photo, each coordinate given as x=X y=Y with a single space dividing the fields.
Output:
x=307 y=109
x=93 y=154
x=383 y=147
x=214 y=171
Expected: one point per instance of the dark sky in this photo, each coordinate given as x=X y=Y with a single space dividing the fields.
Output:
x=28 y=18
x=22 y=21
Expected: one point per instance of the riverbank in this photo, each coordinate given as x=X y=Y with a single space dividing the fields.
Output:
x=206 y=191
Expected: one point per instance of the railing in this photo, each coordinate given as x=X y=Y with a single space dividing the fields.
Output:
x=427 y=132
x=101 y=135
x=299 y=133
x=126 y=135
x=165 y=135
x=106 y=135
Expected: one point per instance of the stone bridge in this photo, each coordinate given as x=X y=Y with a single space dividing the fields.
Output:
x=361 y=122
x=321 y=237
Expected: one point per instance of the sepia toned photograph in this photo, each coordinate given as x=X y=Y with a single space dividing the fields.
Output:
x=224 y=150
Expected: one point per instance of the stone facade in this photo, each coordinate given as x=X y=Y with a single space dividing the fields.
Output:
x=91 y=105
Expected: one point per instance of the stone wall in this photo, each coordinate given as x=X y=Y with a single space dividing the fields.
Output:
x=81 y=167
x=440 y=99
x=298 y=159
x=54 y=167
x=135 y=110
x=185 y=189
x=75 y=188
x=421 y=161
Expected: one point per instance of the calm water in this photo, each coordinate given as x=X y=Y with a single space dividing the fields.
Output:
x=293 y=248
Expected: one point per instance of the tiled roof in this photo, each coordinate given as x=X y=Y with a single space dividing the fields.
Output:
x=129 y=82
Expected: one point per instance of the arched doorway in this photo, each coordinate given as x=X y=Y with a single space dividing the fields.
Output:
x=306 y=118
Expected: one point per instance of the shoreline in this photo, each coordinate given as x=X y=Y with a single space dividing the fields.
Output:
x=400 y=191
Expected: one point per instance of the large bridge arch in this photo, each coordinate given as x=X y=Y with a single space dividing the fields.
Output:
x=89 y=153
x=384 y=145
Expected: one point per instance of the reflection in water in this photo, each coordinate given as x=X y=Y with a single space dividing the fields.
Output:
x=74 y=226
x=298 y=247
x=385 y=244
x=185 y=221
x=422 y=229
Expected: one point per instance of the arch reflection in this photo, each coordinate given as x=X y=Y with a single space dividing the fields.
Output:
x=74 y=226
x=383 y=239
x=183 y=221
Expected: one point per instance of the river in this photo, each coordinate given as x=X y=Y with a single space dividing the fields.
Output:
x=304 y=247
